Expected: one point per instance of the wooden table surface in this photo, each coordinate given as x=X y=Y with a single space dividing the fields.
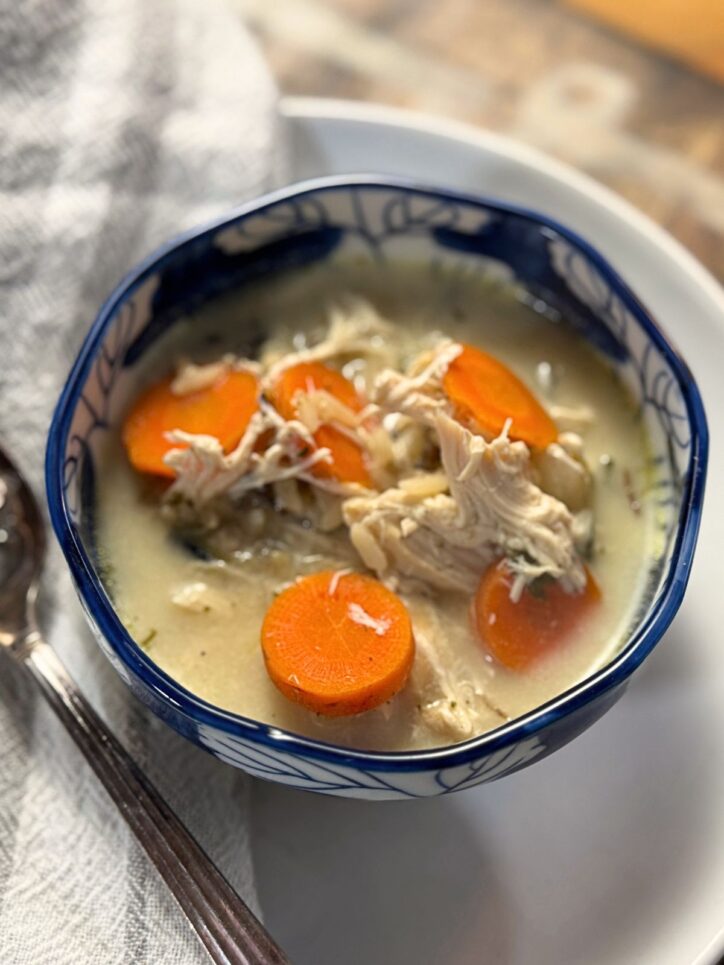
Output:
x=644 y=124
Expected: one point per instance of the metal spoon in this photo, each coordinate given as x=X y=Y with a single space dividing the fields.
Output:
x=224 y=924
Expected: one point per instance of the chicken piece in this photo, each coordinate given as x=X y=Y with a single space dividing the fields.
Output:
x=409 y=404
x=418 y=394
x=492 y=509
x=561 y=472
x=444 y=707
x=450 y=699
x=204 y=471
x=319 y=407
x=355 y=331
x=191 y=378
x=199 y=597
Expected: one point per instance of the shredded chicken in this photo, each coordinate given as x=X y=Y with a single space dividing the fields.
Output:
x=198 y=597
x=192 y=378
x=318 y=407
x=493 y=508
x=418 y=394
x=362 y=618
x=204 y=471
x=336 y=577
x=355 y=331
x=449 y=701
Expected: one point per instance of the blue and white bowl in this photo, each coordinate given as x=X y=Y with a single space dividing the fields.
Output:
x=376 y=219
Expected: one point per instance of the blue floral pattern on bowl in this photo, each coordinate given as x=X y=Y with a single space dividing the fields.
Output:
x=384 y=220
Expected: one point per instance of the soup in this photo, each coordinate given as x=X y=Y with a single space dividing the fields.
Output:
x=462 y=474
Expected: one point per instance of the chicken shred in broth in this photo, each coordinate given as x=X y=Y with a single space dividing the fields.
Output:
x=413 y=488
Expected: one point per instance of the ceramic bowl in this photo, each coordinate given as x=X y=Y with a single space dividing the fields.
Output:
x=381 y=219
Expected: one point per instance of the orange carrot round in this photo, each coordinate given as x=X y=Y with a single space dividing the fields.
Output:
x=348 y=463
x=338 y=644
x=312 y=377
x=485 y=393
x=518 y=634
x=222 y=409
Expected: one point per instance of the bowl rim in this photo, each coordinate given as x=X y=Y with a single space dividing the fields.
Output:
x=269 y=737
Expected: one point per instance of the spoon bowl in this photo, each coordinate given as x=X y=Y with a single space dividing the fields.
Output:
x=22 y=549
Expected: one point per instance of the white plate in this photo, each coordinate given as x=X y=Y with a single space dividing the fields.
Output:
x=612 y=850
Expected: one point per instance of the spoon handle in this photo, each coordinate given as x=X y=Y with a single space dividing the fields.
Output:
x=227 y=927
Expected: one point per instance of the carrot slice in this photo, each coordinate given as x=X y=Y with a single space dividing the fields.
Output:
x=338 y=644
x=348 y=464
x=485 y=393
x=222 y=409
x=310 y=377
x=518 y=634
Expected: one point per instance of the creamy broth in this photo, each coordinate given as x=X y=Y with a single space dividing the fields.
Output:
x=214 y=649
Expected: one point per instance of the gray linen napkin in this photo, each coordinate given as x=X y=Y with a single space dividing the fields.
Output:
x=122 y=122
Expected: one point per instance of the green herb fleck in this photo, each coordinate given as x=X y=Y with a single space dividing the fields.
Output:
x=146 y=642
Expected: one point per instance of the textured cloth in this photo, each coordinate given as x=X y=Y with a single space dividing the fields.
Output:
x=122 y=122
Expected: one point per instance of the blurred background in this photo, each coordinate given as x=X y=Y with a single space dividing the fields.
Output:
x=630 y=91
